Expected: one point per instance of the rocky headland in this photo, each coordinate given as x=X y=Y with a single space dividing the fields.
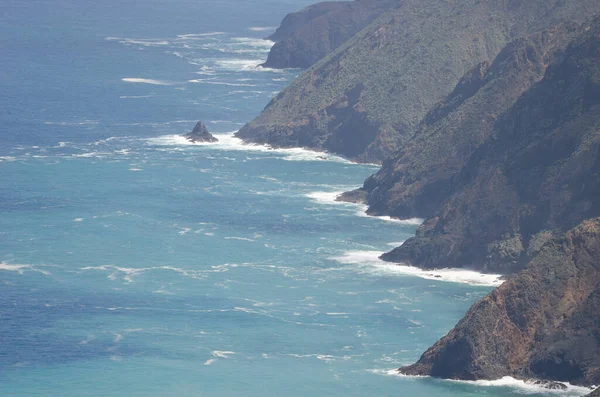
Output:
x=368 y=97
x=543 y=323
x=200 y=134
x=306 y=36
x=536 y=176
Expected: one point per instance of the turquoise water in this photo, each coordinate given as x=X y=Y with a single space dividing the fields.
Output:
x=135 y=264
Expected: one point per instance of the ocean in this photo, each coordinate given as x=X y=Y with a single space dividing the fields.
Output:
x=133 y=263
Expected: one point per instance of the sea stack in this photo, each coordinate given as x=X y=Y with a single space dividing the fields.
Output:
x=200 y=134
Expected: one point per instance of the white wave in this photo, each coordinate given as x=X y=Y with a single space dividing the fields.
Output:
x=261 y=28
x=520 y=386
x=199 y=35
x=21 y=268
x=227 y=141
x=72 y=123
x=239 y=238
x=369 y=262
x=203 y=81
x=331 y=198
x=78 y=220
x=134 y=96
x=252 y=42
x=149 y=81
x=8 y=159
x=142 y=42
x=130 y=273
x=411 y=221
x=222 y=354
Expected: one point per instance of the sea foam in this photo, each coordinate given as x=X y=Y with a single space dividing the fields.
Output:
x=368 y=262
x=330 y=198
x=149 y=81
x=520 y=386
x=227 y=141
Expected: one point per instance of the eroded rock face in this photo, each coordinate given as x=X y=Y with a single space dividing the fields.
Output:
x=543 y=323
x=415 y=180
x=368 y=97
x=200 y=134
x=306 y=36
x=536 y=176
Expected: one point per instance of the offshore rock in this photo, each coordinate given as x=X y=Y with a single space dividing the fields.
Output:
x=542 y=323
x=200 y=134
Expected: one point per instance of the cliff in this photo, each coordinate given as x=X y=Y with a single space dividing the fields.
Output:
x=414 y=181
x=542 y=323
x=368 y=97
x=306 y=36
x=536 y=176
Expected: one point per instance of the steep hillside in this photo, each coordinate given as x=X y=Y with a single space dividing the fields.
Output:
x=369 y=96
x=536 y=177
x=544 y=323
x=306 y=36
x=415 y=180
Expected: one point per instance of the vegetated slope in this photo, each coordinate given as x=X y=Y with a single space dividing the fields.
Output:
x=543 y=323
x=306 y=36
x=369 y=96
x=536 y=177
x=414 y=181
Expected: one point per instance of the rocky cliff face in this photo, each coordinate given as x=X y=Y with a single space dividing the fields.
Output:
x=368 y=97
x=306 y=36
x=535 y=177
x=542 y=323
x=415 y=180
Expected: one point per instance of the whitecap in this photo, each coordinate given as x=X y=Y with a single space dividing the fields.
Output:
x=199 y=35
x=142 y=42
x=149 y=81
x=368 y=262
x=206 y=81
x=21 y=268
x=261 y=28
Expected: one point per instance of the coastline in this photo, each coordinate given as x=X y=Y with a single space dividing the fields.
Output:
x=363 y=260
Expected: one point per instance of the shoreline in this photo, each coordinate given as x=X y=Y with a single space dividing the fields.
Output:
x=363 y=260
x=522 y=386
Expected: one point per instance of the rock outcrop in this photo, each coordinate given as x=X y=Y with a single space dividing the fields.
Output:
x=368 y=97
x=595 y=393
x=536 y=176
x=543 y=323
x=200 y=134
x=306 y=36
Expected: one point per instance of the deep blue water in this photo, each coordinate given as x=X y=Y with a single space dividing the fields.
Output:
x=135 y=264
